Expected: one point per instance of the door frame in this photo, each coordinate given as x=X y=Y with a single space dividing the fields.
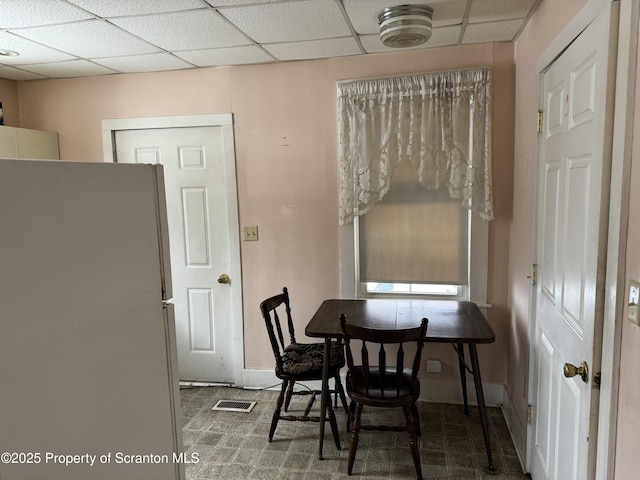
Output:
x=625 y=67
x=109 y=129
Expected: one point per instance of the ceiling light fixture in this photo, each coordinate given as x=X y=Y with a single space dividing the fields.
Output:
x=405 y=26
x=8 y=53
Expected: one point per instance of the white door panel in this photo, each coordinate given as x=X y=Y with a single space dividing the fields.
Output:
x=572 y=175
x=568 y=432
x=549 y=229
x=544 y=430
x=198 y=217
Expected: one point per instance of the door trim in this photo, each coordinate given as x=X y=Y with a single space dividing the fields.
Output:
x=615 y=285
x=618 y=218
x=110 y=126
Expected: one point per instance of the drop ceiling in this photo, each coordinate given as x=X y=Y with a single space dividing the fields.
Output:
x=79 y=38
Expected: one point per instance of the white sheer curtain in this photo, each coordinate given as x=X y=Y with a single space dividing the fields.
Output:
x=440 y=122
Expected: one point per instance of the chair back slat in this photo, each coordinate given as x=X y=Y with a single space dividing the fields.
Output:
x=276 y=322
x=365 y=365
x=382 y=367
x=384 y=339
x=399 y=367
x=416 y=360
x=349 y=355
x=287 y=308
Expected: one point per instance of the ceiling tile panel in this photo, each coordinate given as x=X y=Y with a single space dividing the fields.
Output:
x=18 y=75
x=153 y=62
x=31 y=13
x=290 y=21
x=237 y=3
x=492 y=32
x=226 y=56
x=30 y=52
x=448 y=12
x=444 y=36
x=88 y=39
x=184 y=30
x=333 y=47
x=73 y=68
x=116 y=8
x=496 y=10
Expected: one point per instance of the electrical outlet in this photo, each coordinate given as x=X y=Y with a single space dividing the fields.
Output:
x=251 y=233
x=632 y=309
x=434 y=366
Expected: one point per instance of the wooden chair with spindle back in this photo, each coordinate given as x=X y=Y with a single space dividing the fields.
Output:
x=297 y=362
x=381 y=384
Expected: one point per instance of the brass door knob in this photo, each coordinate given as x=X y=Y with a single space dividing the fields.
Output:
x=224 y=278
x=570 y=370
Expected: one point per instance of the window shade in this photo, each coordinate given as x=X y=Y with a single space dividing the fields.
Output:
x=414 y=235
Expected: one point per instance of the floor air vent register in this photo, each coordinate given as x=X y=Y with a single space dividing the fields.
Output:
x=234 y=406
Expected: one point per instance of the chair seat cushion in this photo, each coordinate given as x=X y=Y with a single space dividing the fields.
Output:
x=300 y=358
x=395 y=388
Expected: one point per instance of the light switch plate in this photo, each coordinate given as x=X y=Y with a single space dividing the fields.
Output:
x=251 y=233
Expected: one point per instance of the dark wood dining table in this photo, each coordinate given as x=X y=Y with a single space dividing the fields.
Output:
x=458 y=323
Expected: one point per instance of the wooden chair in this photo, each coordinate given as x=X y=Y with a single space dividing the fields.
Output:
x=297 y=362
x=383 y=385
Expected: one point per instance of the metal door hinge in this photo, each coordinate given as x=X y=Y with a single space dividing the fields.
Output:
x=534 y=274
x=597 y=377
x=540 y=121
x=529 y=414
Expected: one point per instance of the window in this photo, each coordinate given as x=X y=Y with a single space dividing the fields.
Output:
x=414 y=241
x=354 y=285
x=415 y=161
x=446 y=291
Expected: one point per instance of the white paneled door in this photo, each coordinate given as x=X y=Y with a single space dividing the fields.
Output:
x=573 y=179
x=205 y=276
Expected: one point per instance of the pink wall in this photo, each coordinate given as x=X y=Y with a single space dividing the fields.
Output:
x=550 y=18
x=286 y=153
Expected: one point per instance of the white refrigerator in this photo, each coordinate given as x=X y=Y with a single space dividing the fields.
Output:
x=88 y=375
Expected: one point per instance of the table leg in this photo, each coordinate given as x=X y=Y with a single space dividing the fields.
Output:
x=324 y=392
x=484 y=421
x=463 y=376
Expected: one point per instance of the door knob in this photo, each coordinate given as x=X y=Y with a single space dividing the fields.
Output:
x=224 y=278
x=571 y=371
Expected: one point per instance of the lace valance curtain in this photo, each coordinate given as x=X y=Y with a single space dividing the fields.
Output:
x=440 y=122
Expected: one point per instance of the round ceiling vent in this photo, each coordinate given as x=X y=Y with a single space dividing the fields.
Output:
x=405 y=26
x=8 y=53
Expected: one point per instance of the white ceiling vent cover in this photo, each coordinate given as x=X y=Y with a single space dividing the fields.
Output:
x=234 y=406
x=405 y=26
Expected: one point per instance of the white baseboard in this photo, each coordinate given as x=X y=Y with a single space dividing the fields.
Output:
x=259 y=379
x=451 y=392
x=517 y=428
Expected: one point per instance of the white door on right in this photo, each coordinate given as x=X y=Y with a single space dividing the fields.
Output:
x=573 y=198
